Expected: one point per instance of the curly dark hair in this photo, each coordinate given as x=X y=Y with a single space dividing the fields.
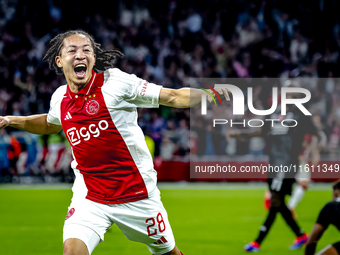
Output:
x=104 y=58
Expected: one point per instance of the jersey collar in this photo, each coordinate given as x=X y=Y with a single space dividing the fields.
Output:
x=86 y=90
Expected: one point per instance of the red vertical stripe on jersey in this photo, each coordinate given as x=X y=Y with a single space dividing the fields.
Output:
x=110 y=173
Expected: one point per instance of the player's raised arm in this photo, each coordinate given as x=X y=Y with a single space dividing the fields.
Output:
x=186 y=97
x=36 y=124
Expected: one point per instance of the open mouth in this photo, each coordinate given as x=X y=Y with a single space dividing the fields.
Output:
x=80 y=70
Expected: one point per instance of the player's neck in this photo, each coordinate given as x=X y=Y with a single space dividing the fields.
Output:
x=75 y=88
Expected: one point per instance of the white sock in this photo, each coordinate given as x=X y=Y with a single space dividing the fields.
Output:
x=296 y=197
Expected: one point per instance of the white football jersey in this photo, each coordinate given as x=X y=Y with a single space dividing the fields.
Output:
x=112 y=163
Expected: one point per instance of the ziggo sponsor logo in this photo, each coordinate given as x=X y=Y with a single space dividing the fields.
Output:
x=85 y=133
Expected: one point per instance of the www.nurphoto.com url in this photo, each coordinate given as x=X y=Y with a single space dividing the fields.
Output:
x=267 y=168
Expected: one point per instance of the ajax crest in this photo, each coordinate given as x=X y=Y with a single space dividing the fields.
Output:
x=92 y=107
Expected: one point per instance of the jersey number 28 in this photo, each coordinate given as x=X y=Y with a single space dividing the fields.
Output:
x=160 y=225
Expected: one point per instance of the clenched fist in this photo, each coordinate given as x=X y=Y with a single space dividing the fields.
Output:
x=4 y=122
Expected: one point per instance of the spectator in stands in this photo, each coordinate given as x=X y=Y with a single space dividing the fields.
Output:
x=5 y=143
x=168 y=42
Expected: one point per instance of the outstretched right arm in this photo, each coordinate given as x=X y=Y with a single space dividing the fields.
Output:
x=36 y=124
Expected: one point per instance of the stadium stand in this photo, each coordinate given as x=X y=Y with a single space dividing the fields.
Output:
x=167 y=42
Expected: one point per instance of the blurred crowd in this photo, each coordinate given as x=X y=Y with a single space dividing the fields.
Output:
x=167 y=42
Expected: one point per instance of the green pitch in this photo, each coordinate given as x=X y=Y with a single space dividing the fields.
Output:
x=204 y=221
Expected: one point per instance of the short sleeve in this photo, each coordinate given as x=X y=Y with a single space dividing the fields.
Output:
x=127 y=90
x=325 y=215
x=53 y=115
x=145 y=94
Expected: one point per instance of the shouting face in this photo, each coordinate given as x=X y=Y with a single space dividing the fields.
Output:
x=77 y=59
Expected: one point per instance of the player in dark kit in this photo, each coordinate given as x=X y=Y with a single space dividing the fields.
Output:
x=330 y=214
x=283 y=145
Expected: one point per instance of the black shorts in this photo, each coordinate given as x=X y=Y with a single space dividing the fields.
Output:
x=281 y=186
x=337 y=246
